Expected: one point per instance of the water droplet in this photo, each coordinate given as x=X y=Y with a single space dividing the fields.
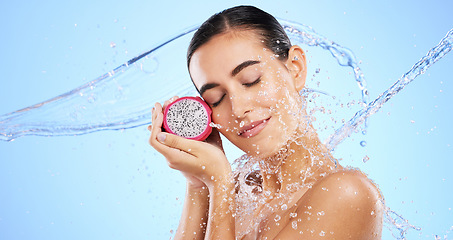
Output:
x=372 y=212
x=365 y=159
x=293 y=215
x=277 y=218
x=294 y=225
x=363 y=143
x=318 y=70
x=284 y=207
x=91 y=99
x=214 y=125
x=203 y=167
x=322 y=233
x=212 y=177
x=112 y=44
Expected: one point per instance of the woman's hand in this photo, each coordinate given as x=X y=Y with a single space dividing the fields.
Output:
x=202 y=163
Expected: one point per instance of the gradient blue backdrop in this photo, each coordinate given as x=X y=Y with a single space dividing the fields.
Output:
x=112 y=185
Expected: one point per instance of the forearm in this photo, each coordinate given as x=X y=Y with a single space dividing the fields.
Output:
x=195 y=214
x=221 y=223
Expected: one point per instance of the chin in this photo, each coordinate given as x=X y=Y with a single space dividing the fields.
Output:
x=269 y=144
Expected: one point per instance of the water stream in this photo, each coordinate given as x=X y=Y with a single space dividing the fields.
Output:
x=122 y=98
x=434 y=55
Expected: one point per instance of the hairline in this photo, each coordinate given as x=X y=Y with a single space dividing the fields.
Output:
x=234 y=31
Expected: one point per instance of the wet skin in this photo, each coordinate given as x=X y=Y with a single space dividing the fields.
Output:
x=254 y=98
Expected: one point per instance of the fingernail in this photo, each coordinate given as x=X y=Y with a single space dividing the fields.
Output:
x=149 y=127
x=152 y=110
x=161 y=137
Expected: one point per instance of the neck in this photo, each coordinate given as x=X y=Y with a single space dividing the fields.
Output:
x=302 y=162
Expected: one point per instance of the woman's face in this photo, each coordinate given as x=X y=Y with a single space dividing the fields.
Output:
x=253 y=95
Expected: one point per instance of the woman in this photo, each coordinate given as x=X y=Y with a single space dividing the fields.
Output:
x=243 y=65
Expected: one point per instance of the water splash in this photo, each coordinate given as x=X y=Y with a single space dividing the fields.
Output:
x=396 y=224
x=117 y=100
x=434 y=55
x=121 y=98
x=344 y=56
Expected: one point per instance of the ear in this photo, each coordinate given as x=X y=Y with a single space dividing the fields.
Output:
x=297 y=66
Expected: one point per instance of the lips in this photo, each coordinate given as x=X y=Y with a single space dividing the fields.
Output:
x=253 y=128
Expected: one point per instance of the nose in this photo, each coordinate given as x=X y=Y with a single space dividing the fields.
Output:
x=240 y=105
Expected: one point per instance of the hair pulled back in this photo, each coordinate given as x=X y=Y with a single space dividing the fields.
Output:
x=265 y=26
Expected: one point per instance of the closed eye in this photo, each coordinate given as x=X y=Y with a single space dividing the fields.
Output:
x=252 y=83
x=218 y=102
x=245 y=84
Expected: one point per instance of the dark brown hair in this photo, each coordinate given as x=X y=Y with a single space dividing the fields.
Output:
x=266 y=26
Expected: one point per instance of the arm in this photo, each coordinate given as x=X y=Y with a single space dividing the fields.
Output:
x=202 y=163
x=221 y=224
x=195 y=213
x=192 y=224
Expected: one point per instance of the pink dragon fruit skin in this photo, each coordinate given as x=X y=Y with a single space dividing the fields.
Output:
x=188 y=117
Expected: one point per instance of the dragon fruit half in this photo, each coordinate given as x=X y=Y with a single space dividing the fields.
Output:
x=188 y=117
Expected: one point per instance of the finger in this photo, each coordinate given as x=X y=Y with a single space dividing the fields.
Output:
x=177 y=151
x=169 y=101
x=150 y=127
x=156 y=109
x=178 y=159
x=176 y=142
x=156 y=125
x=214 y=139
x=170 y=145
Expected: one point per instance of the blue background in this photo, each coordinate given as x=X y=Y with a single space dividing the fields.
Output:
x=113 y=185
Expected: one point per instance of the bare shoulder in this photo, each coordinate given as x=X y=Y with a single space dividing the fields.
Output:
x=342 y=205
x=348 y=185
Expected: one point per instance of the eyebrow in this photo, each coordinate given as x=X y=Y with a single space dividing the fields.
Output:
x=207 y=87
x=242 y=66
x=235 y=72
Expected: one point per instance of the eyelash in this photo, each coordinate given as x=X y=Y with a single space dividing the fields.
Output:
x=253 y=83
x=245 y=84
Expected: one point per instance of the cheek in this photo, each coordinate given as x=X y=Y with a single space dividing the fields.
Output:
x=272 y=94
x=222 y=120
x=218 y=117
x=281 y=89
x=284 y=103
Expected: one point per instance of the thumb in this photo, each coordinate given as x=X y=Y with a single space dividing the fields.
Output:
x=176 y=142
